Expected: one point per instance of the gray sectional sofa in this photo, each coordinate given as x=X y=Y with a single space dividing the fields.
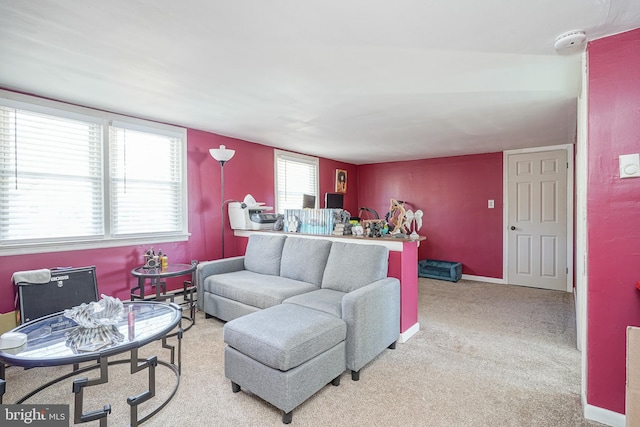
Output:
x=346 y=280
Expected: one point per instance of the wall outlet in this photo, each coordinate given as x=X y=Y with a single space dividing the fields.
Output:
x=491 y=204
x=630 y=165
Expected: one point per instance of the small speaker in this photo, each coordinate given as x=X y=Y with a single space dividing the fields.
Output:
x=68 y=287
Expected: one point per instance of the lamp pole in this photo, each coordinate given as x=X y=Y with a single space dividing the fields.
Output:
x=222 y=204
x=222 y=155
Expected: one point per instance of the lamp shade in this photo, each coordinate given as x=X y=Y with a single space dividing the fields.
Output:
x=222 y=154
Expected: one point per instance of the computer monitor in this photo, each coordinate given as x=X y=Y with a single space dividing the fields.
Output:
x=308 y=201
x=333 y=200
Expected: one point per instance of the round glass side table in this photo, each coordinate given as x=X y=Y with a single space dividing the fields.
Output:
x=157 y=277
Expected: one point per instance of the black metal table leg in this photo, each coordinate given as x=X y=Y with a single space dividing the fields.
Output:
x=134 y=401
x=78 y=389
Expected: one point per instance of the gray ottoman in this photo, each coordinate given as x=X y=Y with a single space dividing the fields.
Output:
x=284 y=354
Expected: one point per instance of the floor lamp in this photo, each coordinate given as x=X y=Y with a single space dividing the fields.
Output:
x=223 y=155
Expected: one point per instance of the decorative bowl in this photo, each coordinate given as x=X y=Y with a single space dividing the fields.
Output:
x=106 y=312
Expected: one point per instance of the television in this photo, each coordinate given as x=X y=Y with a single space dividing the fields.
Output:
x=308 y=201
x=333 y=200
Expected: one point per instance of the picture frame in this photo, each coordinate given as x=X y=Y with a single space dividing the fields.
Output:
x=341 y=181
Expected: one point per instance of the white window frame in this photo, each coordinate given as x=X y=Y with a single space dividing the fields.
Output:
x=314 y=161
x=106 y=241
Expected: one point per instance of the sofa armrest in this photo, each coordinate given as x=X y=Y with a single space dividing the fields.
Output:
x=218 y=266
x=372 y=315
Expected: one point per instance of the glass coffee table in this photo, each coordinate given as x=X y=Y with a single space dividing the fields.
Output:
x=56 y=340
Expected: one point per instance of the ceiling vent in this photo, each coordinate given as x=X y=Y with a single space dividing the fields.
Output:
x=570 y=40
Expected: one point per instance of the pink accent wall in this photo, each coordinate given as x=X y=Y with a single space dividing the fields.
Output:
x=249 y=172
x=453 y=193
x=613 y=214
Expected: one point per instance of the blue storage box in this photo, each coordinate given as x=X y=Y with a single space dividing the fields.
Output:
x=443 y=270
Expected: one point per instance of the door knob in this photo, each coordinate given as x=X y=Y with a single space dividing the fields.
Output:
x=513 y=227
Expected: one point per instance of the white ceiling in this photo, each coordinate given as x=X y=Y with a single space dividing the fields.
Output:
x=360 y=81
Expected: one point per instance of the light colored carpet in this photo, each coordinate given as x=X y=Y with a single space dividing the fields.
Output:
x=485 y=355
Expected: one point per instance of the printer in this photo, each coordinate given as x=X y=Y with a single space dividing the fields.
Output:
x=251 y=215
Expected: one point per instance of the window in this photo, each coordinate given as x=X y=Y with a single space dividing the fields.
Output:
x=76 y=178
x=50 y=177
x=296 y=175
x=146 y=181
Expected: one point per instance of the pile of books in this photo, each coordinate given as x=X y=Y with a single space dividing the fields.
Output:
x=342 y=229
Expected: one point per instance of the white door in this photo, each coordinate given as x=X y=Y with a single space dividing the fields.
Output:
x=537 y=219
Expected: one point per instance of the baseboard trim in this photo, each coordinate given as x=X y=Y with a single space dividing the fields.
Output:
x=604 y=416
x=483 y=279
x=404 y=336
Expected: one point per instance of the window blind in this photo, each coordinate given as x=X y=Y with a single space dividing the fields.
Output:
x=296 y=175
x=146 y=182
x=51 y=184
x=76 y=178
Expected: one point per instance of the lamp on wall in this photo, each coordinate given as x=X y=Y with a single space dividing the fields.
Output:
x=222 y=155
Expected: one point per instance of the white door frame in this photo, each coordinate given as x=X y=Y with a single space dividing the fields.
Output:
x=505 y=207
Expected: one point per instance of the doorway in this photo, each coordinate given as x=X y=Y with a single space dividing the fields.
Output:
x=538 y=212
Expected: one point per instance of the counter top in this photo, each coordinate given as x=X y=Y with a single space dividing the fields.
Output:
x=392 y=242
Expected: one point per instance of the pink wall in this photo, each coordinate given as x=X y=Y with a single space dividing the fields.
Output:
x=613 y=214
x=250 y=171
x=453 y=194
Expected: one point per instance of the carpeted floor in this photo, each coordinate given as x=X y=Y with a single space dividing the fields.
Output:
x=485 y=355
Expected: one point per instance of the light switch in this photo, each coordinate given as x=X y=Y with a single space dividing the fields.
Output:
x=629 y=165
x=491 y=204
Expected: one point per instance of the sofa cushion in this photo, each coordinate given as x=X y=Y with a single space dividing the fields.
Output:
x=272 y=338
x=255 y=289
x=264 y=253
x=351 y=266
x=326 y=300
x=305 y=259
